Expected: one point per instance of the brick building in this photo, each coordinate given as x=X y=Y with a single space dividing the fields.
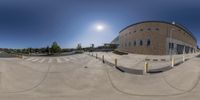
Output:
x=156 y=38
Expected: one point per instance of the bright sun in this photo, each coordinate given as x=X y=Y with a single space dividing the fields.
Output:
x=99 y=27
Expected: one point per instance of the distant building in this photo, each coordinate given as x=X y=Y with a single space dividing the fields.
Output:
x=107 y=47
x=115 y=41
x=157 y=38
x=92 y=45
x=114 y=44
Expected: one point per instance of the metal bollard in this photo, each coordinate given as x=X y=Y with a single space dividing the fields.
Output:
x=115 y=62
x=146 y=67
x=103 y=59
x=173 y=62
x=96 y=55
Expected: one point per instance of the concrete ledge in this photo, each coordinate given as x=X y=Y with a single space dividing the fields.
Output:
x=125 y=69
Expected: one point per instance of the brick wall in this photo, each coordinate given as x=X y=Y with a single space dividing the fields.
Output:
x=156 y=32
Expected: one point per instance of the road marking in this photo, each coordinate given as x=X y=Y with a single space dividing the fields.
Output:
x=50 y=60
x=36 y=59
x=42 y=60
x=66 y=59
x=29 y=59
x=58 y=60
x=72 y=58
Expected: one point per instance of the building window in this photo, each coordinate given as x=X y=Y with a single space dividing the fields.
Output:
x=135 y=31
x=171 y=45
x=157 y=29
x=134 y=43
x=149 y=29
x=141 y=29
x=129 y=44
x=129 y=32
x=191 y=50
x=148 y=42
x=141 y=42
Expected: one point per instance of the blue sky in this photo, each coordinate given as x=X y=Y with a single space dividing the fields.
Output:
x=36 y=23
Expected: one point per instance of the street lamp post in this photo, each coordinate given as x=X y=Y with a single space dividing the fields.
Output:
x=171 y=44
x=171 y=41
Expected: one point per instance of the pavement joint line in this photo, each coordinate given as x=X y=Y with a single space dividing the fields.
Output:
x=35 y=86
x=170 y=85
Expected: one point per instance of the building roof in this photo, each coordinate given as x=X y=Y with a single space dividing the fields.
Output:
x=176 y=25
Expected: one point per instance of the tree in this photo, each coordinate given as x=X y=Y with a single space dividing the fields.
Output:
x=48 y=51
x=55 y=48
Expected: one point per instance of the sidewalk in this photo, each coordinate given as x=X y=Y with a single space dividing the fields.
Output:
x=134 y=63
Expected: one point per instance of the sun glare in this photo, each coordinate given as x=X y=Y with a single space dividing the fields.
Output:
x=99 y=27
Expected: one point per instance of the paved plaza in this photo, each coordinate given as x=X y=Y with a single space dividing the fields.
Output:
x=83 y=77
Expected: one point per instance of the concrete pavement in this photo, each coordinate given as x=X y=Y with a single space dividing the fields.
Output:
x=82 y=77
x=136 y=62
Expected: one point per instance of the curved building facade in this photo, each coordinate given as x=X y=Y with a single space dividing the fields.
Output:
x=156 y=38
